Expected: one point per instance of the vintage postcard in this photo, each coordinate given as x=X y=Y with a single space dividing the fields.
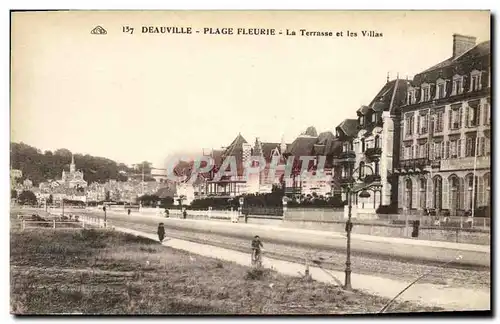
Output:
x=250 y=162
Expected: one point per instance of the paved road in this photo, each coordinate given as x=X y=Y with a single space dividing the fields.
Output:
x=455 y=299
x=384 y=248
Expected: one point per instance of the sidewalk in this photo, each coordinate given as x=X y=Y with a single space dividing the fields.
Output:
x=428 y=294
x=363 y=237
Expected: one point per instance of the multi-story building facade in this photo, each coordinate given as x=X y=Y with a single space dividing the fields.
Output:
x=373 y=146
x=345 y=160
x=445 y=134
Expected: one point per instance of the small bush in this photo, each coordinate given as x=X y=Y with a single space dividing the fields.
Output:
x=387 y=209
x=256 y=274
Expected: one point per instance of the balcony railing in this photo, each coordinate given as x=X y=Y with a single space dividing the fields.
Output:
x=414 y=164
x=436 y=163
x=373 y=152
x=467 y=163
x=293 y=190
x=345 y=179
x=372 y=178
x=346 y=156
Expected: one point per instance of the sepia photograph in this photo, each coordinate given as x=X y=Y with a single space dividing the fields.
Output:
x=279 y=162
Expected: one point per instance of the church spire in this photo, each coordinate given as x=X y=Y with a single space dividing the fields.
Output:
x=72 y=165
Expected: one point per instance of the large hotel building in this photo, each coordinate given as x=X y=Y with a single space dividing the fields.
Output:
x=445 y=136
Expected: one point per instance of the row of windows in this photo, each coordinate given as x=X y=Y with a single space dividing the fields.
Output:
x=373 y=118
x=362 y=145
x=457 y=88
x=347 y=170
x=457 y=198
x=457 y=119
x=449 y=149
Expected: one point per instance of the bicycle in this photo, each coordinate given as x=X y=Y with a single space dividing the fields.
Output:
x=256 y=258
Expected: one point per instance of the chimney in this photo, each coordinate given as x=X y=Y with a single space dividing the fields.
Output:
x=462 y=44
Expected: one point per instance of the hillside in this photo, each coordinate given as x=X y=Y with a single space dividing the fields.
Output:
x=40 y=166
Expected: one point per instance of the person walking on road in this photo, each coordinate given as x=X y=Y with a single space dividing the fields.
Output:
x=161 y=232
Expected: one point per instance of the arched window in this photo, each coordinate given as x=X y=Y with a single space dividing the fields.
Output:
x=408 y=193
x=454 y=182
x=438 y=192
x=487 y=192
x=471 y=187
x=423 y=192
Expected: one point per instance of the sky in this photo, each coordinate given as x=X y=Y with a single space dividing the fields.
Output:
x=135 y=97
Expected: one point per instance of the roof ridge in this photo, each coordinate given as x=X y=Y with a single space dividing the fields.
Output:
x=391 y=105
x=470 y=49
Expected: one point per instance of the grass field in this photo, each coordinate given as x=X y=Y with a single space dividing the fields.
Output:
x=105 y=272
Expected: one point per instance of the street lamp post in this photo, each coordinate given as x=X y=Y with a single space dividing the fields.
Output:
x=104 y=209
x=347 y=283
x=364 y=194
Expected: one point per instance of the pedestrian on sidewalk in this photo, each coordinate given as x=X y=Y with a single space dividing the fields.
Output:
x=161 y=232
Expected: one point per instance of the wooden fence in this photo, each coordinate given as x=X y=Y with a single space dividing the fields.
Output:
x=83 y=222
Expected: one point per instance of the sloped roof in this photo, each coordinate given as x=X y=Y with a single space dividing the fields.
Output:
x=311 y=131
x=325 y=136
x=477 y=58
x=236 y=147
x=363 y=110
x=349 y=127
x=302 y=146
x=265 y=148
x=392 y=94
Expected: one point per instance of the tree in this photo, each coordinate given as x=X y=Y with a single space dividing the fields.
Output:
x=27 y=197
x=181 y=199
x=63 y=152
x=13 y=194
x=50 y=200
x=40 y=167
x=108 y=196
x=144 y=165
x=149 y=200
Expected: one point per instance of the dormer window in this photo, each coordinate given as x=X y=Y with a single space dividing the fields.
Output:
x=440 y=89
x=346 y=147
x=426 y=92
x=458 y=85
x=412 y=96
x=475 y=80
x=374 y=118
x=361 y=120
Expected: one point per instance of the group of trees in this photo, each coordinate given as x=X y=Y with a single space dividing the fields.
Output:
x=40 y=166
x=26 y=197
x=152 y=201
x=269 y=200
